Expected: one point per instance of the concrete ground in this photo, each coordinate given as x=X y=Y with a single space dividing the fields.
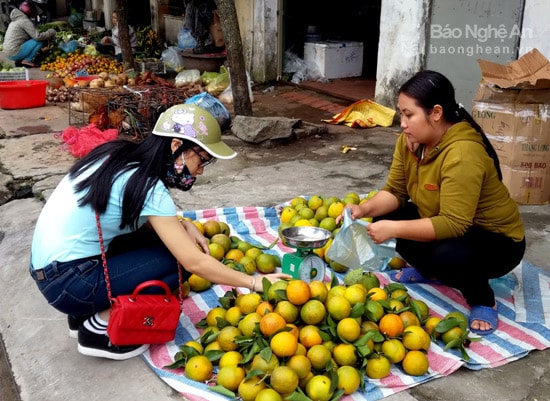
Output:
x=40 y=361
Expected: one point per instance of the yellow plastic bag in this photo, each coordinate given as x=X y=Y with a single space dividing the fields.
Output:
x=364 y=114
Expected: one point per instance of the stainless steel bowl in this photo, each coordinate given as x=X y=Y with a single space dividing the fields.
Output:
x=305 y=237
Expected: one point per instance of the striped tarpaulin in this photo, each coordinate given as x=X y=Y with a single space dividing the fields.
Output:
x=517 y=334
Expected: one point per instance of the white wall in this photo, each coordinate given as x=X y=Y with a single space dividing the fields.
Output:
x=401 y=48
x=536 y=28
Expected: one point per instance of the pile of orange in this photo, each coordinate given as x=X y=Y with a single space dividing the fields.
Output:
x=232 y=251
x=320 y=339
x=320 y=211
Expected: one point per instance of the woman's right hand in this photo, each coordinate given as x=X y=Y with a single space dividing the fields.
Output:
x=258 y=286
x=356 y=213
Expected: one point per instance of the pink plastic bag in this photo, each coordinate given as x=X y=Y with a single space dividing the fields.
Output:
x=81 y=141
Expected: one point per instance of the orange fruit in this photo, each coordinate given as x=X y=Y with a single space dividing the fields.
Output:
x=378 y=367
x=198 y=368
x=268 y=394
x=248 y=302
x=271 y=323
x=318 y=290
x=234 y=255
x=211 y=228
x=248 y=323
x=230 y=377
x=338 y=307
x=264 y=307
x=391 y=325
x=287 y=214
x=249 y=264
x=298 y=292
x=249 y=389
x=284 y=344
x=293 y=329
x=264 y=366
x=355 y=293
x=318 y=388
x=216 y=250
x=277 y=290
x=300 y=364
x=409 y=319
x=416 y=338
x=233 y=315
x=266 y=263
x=430 y=325
x=452 y=334
x=222 y=240
x=415 y=363
x=230 y=358
x=349 y=379
x=344 y=354
x=226 y=338
x=313 y=312
x=287 y=310
x=377 y=294
x=284 y=380
x=394 y=350
x=348 y=329
x=213 y=314
x=197 y=283
x=422 y=307
x=319 y=356
x=460 y=317
x=309 y=336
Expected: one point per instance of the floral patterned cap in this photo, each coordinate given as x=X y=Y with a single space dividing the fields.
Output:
x=195 y=124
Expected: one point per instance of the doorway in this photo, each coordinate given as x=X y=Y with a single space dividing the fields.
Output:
x=346 y=20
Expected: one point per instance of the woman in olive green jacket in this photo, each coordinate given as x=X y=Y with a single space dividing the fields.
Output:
x=444 y=201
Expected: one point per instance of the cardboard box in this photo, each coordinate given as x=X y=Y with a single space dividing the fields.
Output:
x=512 y=106
x=335 y=59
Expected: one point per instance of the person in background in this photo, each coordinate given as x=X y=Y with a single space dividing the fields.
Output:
x=111 y=44
x=128 y=184
x=444 y=201
x=23 y=41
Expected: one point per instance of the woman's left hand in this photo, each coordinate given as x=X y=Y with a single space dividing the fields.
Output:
x=196 y=236
x=381 y=231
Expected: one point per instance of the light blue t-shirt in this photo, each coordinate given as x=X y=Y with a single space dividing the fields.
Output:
x=66 y=231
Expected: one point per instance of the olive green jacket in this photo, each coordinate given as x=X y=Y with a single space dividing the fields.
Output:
x=456 y=185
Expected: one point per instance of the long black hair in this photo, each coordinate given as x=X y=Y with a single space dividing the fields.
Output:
x=150 y=158
x=429 y=88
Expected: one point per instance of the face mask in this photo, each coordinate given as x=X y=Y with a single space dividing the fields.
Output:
x=178 y=177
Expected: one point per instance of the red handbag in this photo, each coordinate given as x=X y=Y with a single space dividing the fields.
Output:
x=141 y=318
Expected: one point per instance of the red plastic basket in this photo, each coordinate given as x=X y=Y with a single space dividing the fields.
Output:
x=22 y=94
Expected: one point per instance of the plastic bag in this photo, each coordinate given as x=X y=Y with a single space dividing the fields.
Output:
x=69 y=47
x=364 y=114
x=227 y=95
x=187 y=77
x=172 y=58
x=218 y=84
x=185 y=39
x=214 y=106
x=81 y=141
x=354 y=248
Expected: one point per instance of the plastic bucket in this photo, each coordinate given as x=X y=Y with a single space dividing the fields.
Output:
x=22 y=94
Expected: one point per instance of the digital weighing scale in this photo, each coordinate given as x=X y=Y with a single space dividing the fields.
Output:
x=304 y=264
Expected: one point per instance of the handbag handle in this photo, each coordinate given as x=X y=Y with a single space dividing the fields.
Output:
x=151 y=283
x=140 y=286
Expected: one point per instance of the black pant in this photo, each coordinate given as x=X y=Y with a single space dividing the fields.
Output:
x=465 y=263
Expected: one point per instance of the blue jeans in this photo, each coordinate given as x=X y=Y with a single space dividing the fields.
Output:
x=78 y=287
x=465 y=263
x=28 y=51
